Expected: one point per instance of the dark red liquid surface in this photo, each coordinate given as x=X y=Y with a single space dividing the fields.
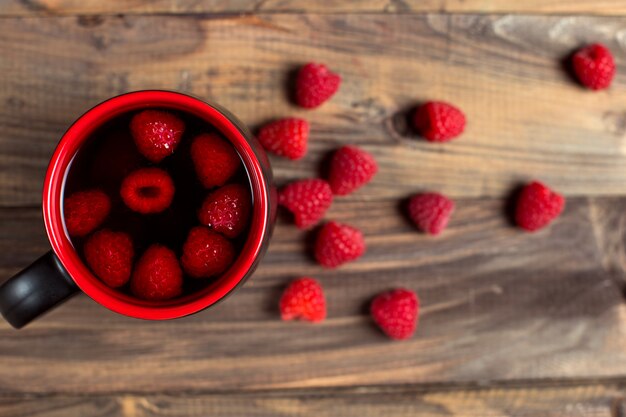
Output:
x=110 y=154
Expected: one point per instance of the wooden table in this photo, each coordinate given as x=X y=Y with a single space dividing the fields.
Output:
x=513 y=324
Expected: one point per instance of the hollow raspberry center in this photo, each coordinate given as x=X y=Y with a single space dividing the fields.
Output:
x=150 y=191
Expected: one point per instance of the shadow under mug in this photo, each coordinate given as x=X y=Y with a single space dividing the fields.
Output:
x=60 y=273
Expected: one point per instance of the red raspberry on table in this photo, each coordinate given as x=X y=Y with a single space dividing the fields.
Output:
x=147 y=190
x=214 y=159
x=315 y=84
x=430 y=212
x=206 y=253
x=303 y=299
x=285 y=137
x=396 y=313
x=537 y=206
x=227 y=210
x=307 y=200
x=338 y=243
x=84 y=211
x=594 y=66
x=438 y=121
x=157 y=275
x=110 y=256
x=351 y=168
x=156 y=133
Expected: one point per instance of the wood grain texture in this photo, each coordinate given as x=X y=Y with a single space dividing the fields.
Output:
x=526 y=117
x=497 y=304
x=540 y=400
x=87 y=7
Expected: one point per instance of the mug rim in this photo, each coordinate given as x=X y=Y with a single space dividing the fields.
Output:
x=54 y=185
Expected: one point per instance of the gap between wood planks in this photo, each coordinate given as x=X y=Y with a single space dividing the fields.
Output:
x=588 y=398
x=15 y=8
x=353 y=390
x=566 y=400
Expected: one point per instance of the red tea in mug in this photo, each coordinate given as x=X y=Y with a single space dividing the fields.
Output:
x=157 y=204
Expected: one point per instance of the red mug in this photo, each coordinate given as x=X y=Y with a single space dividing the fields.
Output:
x=61 y=273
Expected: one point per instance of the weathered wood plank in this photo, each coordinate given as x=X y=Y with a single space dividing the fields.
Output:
x=89 y=7
x=575 y=400
x=609 y=226
x=498 y=304
x=526 y=117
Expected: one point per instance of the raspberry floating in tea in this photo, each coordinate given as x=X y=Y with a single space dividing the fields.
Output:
x=157 y=275
x=226 y=210
x=156 y=133
x=110 y=255
x=85 y=210
x=215 y=160
x=206 y=253
x=148 y=190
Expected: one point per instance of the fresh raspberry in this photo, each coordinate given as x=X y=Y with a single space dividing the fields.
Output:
x=438 y=121
x=214 y=159
x=308 y=200
x=303 y=299
x=84 y=211
x=537 y=206
x=147 y=190
x=156 y=133
x=157 y=275
x=430 y=212
x=594 y=66
x=396 y=313
x=315 y=85
x=351 y=168
x=206 y=253
x=285 y=137
x=226 y=210
x=110 y=256
x=338 y=243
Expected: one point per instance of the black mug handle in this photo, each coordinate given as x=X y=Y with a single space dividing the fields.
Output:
x=35 y=290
